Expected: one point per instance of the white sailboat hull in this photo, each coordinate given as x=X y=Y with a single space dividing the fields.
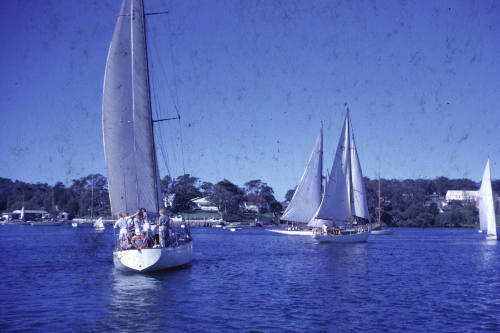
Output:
x=292 y=232
x=491 y=237
x=353 y=238
x=148 y=260
x=382 y=232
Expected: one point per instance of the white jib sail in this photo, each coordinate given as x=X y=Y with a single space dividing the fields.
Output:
x=126 y=116
x=360 y=207
x=487 y=221
x=336 y=203
x=307 y=196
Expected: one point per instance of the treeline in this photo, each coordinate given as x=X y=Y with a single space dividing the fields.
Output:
x=415 y=203
x=403 y=202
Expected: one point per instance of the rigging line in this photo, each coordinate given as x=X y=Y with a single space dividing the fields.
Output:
x=159 y=133
x=158 y=110
x=176 y=94
x=162 y=68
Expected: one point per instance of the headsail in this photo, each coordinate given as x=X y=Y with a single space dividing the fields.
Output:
x=336 y=203
x=307 y=196
x=360 y=207
x=487 y=220
x=127 y=120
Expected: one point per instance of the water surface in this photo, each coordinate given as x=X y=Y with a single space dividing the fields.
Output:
x=418 y=280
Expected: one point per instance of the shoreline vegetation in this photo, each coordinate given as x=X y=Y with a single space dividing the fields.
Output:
x=404 y=203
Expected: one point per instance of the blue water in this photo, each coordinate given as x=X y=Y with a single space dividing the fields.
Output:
x=417 y=280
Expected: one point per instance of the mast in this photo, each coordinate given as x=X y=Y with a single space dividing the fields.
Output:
x=156 y=174
x=92 y=200
x=378 y=197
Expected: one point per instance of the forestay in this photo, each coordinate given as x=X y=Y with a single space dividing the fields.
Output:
x=360 y=207
x=127 y=120
x=307 y=196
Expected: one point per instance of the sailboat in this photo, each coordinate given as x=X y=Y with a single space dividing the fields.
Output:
x=129 y=146
x=99 y=224
x=342 y=216
x=377 y=227
x=307 y=196
x=487 y=220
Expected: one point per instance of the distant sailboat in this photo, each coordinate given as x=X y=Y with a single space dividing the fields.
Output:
x=129 y=147
x=377 y=227
x=307 y=196
x=487 y=220
x=342 y=216
x=99 y=224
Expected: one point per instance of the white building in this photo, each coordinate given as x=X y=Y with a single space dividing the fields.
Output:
x=463 y=196
x=205 y=205
x=251 y=207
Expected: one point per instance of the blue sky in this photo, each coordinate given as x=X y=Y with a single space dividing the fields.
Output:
x=253 y=80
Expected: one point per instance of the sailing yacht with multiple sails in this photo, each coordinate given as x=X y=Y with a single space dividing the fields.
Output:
x=342 y=216
x=487 y=220
x=129 y=147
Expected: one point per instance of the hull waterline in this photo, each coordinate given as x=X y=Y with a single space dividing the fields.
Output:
x=353 y=238
x=148 y=260
x=292 y=232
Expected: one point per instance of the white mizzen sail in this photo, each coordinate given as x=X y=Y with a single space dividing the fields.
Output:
x=307 y=196
x=127 y=120
x=336 y=199
x=487 y=221
x=360 y=207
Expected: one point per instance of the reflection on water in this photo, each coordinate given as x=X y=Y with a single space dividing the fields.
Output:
x=135 y=300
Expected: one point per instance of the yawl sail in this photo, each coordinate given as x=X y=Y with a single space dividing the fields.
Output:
x=487 y=220
x=129 y=147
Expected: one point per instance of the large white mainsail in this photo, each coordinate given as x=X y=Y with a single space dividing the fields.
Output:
x=307 y=196
x=336 y=199
x=487 y=221
x=360 y=207
x=127 y=119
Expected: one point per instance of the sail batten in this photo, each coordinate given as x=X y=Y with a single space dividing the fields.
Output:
x=127 y=119
x=307 y=196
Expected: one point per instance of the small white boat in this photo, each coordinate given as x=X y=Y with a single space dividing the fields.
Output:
x=99 y=224
x=377 y=227
x=487 y=219
x=234 y=228
x=74 y=224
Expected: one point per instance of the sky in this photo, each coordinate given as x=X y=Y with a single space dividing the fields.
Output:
x=253 y=80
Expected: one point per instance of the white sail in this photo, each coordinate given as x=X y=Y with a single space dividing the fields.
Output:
x=360 y=207
x=307 y=196
x=21 y=217
x=127 y=119
x=336 y=199
x=487 y=221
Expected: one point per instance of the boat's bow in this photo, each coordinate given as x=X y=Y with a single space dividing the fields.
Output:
x=144 y=260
